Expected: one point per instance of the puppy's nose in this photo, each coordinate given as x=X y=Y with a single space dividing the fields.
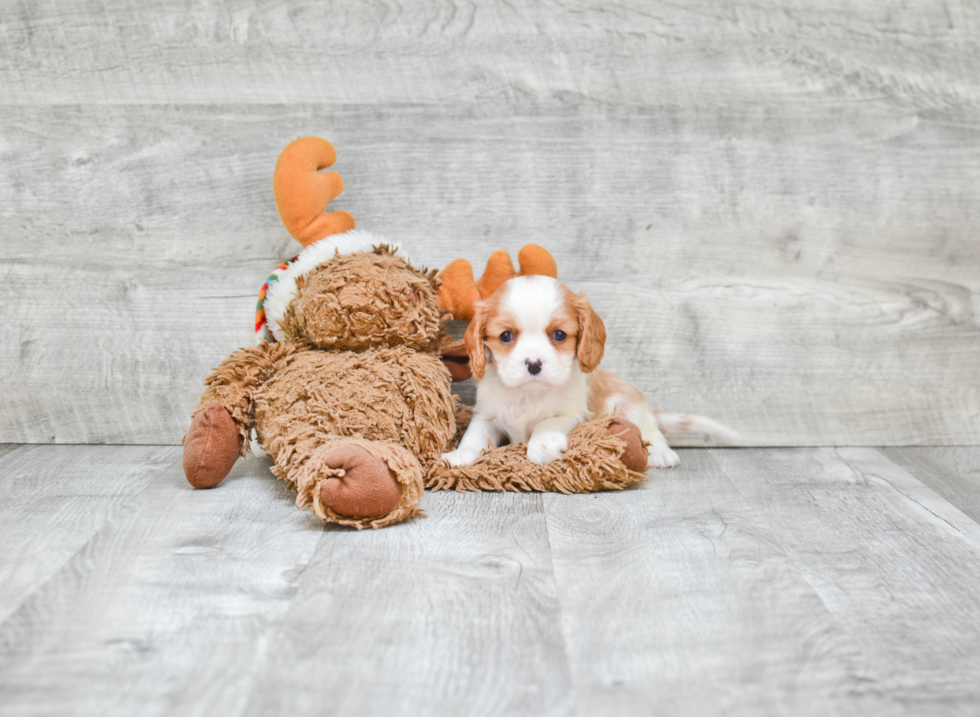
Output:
x=533 y=367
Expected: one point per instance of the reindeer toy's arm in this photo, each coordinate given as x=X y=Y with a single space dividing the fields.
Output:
x=223 y=420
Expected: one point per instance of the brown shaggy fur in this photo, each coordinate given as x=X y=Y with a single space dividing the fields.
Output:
x=385 y=306
x=593 y=462
x=380 y=385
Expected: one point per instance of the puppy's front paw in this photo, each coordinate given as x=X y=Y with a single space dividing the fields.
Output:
x=662 y=456
x=460 y=457
x=546 y=447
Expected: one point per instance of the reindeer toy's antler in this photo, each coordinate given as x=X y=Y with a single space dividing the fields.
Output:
x=302 y=191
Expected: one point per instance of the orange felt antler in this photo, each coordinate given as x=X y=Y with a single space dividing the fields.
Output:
x=302 y=192
x=460 y=291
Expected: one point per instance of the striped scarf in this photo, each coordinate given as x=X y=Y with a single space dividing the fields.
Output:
x=262 y=332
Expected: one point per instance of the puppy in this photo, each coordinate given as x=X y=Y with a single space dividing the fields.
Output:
x=535 y=348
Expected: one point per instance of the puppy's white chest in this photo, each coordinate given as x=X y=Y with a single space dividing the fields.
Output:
x=516 y=412
x=518 y=417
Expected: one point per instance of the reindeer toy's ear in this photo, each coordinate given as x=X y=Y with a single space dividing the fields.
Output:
x=302 y=191
x=460 y=291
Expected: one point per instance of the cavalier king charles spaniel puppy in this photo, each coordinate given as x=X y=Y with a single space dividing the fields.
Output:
x=535 y=349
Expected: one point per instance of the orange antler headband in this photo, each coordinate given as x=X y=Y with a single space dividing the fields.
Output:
x=460 y=291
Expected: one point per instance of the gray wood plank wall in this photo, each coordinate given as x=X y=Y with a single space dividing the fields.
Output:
x=774 y=207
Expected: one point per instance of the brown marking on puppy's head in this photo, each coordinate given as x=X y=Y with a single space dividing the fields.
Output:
x=565 y=319
x=493 y=327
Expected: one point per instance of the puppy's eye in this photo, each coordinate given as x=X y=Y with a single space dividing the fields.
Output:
x=507 y=337
x=558 y=335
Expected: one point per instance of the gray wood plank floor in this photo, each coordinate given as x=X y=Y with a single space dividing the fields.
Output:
x=747 y=582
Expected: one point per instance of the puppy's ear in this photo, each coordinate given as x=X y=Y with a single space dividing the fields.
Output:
x=474 y=340
x=591 y=336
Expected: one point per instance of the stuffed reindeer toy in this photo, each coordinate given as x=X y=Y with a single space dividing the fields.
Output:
x=347 y=390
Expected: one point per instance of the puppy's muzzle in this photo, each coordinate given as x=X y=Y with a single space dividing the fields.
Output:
x=533 y=367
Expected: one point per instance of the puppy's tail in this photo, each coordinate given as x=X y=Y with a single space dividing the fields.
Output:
x=672 y=424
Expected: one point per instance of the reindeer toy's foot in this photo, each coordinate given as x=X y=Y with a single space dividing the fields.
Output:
x=355 y=482
x=364 y=486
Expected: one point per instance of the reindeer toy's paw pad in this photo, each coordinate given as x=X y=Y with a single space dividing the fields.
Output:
x=364 y=488
x=635 y=456
x=211 y=446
